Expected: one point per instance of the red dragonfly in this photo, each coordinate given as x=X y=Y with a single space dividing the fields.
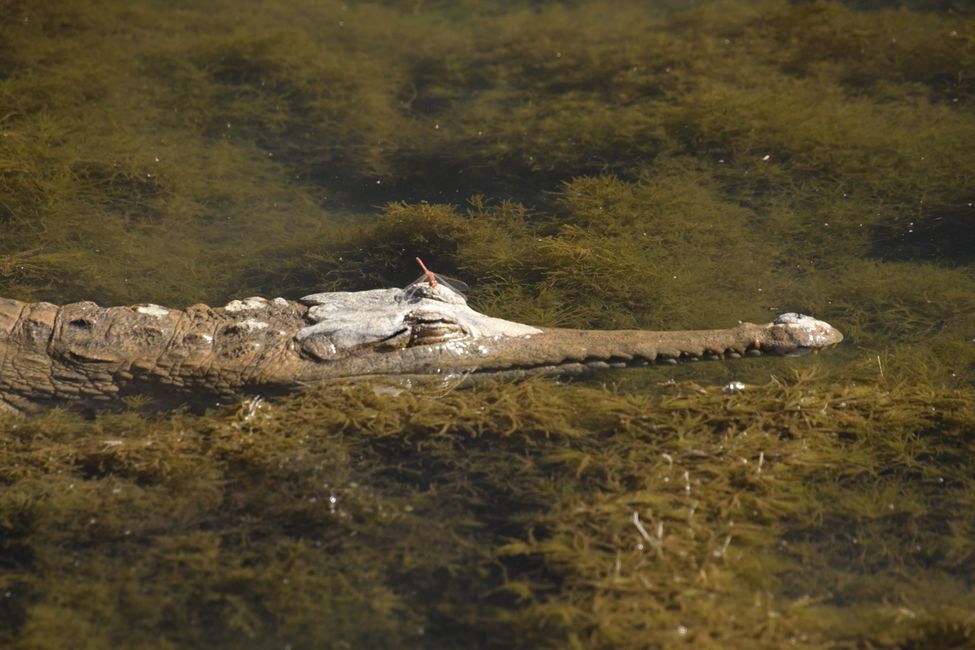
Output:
x=433 y=279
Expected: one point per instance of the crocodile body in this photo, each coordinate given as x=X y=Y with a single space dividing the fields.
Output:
x=83 y=351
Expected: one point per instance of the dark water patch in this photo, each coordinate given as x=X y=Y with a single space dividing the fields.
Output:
x=13 y=610
x=9 y=62
x=940 y=634
x=962 y=7
x=945 y=236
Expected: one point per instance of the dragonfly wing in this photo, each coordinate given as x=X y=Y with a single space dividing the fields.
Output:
x=459 y=286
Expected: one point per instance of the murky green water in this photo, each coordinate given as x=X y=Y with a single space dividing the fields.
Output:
x=605 y=164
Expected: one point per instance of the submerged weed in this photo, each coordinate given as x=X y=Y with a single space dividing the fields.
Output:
x=824 y=498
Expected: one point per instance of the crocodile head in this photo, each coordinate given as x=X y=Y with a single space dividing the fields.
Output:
x=386 y=320
x=429 y=331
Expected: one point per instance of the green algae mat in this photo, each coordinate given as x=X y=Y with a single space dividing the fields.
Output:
x=588 y=164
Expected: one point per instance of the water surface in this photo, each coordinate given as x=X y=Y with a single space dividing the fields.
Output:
x=607 y=164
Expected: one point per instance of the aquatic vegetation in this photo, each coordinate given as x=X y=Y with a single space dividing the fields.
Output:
x=564 y=521
x=583 y=164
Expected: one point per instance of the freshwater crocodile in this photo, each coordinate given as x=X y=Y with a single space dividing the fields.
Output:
x=259 y=346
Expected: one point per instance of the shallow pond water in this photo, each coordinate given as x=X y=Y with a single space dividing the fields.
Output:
x=586 y=164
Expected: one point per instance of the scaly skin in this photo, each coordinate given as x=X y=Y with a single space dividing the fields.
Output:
x=83 y=351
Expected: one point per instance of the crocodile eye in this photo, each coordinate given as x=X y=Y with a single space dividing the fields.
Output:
x=428 y=332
